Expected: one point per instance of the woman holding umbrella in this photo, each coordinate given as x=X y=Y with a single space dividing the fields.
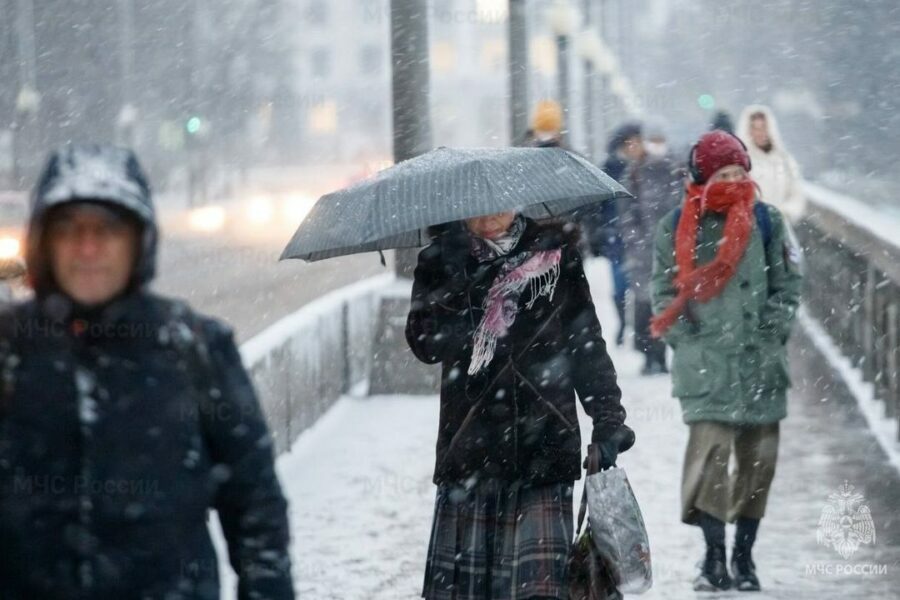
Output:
x=503 y=304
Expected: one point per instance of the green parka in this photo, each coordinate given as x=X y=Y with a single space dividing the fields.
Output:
x=730 y=357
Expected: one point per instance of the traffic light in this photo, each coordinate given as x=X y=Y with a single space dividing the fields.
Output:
x=706 y=102
x=193 y=125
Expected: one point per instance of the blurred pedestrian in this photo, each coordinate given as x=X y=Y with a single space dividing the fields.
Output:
x=722 y=121
x=605 y=231
x=656 y=183
x=774 y=168
x=547 y=123
x=726 y=285
x=503 y=304
x=124 y=416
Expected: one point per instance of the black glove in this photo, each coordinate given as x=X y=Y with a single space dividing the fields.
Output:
x=602 y=455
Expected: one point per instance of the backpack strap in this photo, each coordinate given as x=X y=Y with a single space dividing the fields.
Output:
x=763 y=221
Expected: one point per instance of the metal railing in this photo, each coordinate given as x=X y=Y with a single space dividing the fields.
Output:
x=853 y=285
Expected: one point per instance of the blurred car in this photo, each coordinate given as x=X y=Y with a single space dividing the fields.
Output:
x=254 y=214
x=13 y=216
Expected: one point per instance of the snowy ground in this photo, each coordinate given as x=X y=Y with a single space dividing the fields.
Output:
x=359 y=484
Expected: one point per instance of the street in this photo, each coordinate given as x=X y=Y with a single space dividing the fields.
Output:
x=242 y=282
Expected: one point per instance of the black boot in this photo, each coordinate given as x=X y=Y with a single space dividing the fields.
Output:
x=713 y=575
x=742 y=565
x=652 y=366
x=658 y=352
x=714 y=567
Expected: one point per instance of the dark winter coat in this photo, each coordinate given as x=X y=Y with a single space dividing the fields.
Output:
x=657 y=188
x=115 y=442
x=122 y=425
x=516 y=420
x=602 y=225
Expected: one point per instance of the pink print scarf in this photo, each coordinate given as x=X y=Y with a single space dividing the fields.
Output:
x=536 y=271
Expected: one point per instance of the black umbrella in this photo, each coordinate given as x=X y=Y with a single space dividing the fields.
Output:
x=394 y=209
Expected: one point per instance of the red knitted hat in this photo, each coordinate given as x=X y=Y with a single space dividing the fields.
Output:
x=715 y=150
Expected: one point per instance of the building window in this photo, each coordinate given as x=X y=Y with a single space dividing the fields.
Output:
x=443 y=57
x=374 y=12
x=492 y=12
x=370 y=59
x=493 y=55
x=317 y=12
x=321 y=63
x=543 y=54
x=323 y=117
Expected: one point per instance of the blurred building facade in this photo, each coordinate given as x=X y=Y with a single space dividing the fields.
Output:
x=176 y=80
x=242 y=82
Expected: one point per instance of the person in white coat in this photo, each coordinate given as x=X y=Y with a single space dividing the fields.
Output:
x=774 y=169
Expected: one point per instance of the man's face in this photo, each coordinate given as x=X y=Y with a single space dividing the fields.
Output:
x=633 y=148
x=92 y=253
x=759 y=132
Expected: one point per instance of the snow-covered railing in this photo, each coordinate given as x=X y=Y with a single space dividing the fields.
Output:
x=853 y=285
x=303 y=363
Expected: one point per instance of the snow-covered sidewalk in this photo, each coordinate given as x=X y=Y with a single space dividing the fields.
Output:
x=359 y=484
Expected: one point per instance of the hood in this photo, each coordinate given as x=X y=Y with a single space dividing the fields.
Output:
x=722 y=120
x=94 y=173
x=743 y=128
x=620 y=134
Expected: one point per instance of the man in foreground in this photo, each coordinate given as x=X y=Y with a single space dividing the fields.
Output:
x=124 y=417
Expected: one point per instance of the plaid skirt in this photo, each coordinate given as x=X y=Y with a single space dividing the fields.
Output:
x=500 y=543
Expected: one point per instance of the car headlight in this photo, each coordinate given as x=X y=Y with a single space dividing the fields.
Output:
x=207 y=218
x=260 y=210
x=10 y=248
x=295 y=208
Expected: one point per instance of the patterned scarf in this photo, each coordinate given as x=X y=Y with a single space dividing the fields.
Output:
x=486 y=250
x=536 y=271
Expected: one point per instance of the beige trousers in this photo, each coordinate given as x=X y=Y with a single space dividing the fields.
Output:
x=708 y=485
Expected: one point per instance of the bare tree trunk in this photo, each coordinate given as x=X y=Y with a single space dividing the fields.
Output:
x=518 y=70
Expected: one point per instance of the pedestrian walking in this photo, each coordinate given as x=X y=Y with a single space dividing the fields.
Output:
x=722 y=120
x=124 y=416
x=656 y=183
x=726 y=285
x=502 y=303
x=603 y=226
x=774 y=168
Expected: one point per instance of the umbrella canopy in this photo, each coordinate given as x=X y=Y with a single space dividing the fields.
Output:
x=395 y=208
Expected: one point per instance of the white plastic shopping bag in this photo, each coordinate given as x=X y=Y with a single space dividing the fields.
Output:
x=618 y=531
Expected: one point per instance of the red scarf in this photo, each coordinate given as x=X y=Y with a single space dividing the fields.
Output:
x=733 y=199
